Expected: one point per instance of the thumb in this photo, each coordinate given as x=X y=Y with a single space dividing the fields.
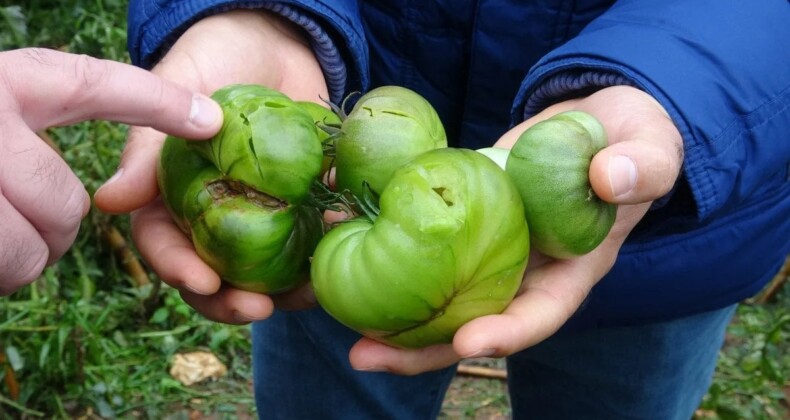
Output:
x=134 y=183
x=641 y=167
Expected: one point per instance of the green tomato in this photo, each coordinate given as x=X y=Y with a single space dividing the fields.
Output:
x=267 y=141
x=238 y=196
x=449 y=245
x=550 y=165
x=322 y=116
x=387 y=127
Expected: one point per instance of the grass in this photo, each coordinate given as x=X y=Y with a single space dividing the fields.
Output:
x=89 y=339
x=752 y=378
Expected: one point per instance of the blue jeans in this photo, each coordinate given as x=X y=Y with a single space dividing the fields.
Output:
x=655 y=371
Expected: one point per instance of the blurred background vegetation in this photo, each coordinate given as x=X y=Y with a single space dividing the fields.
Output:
x=94 y=337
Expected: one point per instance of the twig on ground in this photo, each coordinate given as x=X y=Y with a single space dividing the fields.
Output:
x=769 y=293
x=131 y=264
x=483 y=372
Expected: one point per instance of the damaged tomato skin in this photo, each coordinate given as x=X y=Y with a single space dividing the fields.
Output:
x=449 y=245
x=387 y=127
x=267 y=141
x=239 y=196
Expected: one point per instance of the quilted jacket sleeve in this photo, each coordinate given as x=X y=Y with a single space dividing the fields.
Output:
x=334 y=28
x=721 y=68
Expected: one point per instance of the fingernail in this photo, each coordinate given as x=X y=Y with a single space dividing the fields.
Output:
x=372 y=369
x=622 y=175
x=480 y=353
x=197 y=290
x=203 y=112
x=117 y=175
x=242 y=317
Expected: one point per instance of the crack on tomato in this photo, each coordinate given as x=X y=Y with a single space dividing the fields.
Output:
x=439 y=312
x=225 y=189
x=258 y=168
x=441 y=192
x=396 y=113
x=272 y=104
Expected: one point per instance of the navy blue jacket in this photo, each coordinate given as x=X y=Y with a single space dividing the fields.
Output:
x=721 y=68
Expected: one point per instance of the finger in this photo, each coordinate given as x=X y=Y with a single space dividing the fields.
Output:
x=511 y=136
x=332 y=217
x=170 y=253
x=300 y=298
x=42 y=187
x=645 y=152
x=549 y=296
x=56 y=88
x=640 y=169
x=23 y=253
x=134 y=183
x=230 y=305
x=372 y=356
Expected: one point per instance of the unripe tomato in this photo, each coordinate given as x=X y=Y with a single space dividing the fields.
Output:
x=387 y=127
x=239 y=195
x=550 y=165
x=323 y=117
x=450 y=244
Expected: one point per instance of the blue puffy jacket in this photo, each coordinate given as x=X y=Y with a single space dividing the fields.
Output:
x=721 y=68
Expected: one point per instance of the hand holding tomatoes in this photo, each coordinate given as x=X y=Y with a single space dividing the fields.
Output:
x=640 y=164
x=240 y=195
x=449 y=245
x=219 y=50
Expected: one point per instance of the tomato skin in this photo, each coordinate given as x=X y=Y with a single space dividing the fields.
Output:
x=267 y=141
x=550 y=165
x=449 y=245
x=322 y=116
x=387 y=127
x=239 y=196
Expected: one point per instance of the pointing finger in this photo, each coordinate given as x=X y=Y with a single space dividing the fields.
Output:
x=58 y=89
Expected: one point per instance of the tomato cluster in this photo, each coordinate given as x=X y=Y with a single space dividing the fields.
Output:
x=436 y=236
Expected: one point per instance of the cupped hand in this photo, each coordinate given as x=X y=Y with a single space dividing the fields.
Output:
x=41 y=200
x=242 y=46
x=641 y=164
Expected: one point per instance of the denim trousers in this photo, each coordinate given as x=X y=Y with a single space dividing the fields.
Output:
x=654 y=371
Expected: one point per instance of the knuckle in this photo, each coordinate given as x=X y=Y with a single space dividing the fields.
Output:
x=160 y=105
x=64 y=206
x=76 y=205
x=90 y=76
x=21 y=263
x=31 y=59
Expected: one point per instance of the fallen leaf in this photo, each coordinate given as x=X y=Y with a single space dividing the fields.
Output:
x=191 y=368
